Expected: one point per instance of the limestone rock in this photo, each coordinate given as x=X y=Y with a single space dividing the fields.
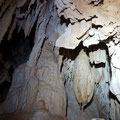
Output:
x=114 y=112
x=83 y=79
x=71 y=38
x=73 y=110
x=98 y=56
x=51 y=88
x=115 y=58
x=37 y=88
x=101 y=94
x=115 y=67
x=115 y=83
x=44 y=78
x=104 y=23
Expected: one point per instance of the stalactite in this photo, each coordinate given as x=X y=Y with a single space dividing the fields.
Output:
x=83 y=79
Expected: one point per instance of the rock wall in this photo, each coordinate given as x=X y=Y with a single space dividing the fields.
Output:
x=73 y=68
x=37 y=84
x=30 y=86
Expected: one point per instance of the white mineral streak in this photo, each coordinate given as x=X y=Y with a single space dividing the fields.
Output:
x=91 y=41
x=115 y=67
x=98 y=56
x=83 y=79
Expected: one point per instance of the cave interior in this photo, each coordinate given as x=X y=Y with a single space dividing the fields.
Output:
x=59 y=60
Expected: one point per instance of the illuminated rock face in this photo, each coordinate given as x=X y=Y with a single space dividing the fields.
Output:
x=100 y=19
x=103 y=22
x=74 y=62
x=97 y=22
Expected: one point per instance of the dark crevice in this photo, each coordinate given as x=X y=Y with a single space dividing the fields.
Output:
x=96 y=2
x=99 y=65
x=96 y=26
x=101 y=46
x=112 y=96
x=33 y=7
x=63 y=20
x=16 y=51
x=41 y=1
x=69 y=53
x=25 y=7
x=4 y=87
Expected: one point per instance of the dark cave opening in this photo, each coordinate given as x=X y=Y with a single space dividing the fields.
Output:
x=14 y=52
x=63 y=20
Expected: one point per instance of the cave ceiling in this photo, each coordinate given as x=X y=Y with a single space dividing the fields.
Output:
x=100 y=19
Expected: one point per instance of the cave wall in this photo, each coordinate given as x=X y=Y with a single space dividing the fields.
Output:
x=37 y=84
x=72 y=69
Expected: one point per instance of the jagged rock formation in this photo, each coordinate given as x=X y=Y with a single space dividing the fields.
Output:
x=72 y=61
x=100 y=23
